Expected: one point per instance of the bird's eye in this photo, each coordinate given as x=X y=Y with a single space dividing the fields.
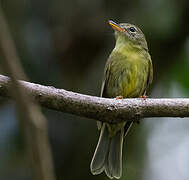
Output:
x=132 y=29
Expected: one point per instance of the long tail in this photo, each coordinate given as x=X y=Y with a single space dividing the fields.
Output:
x=113 y=164
x=108 y=154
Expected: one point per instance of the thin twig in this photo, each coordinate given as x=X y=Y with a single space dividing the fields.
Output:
x=102 y=109
x=33 y=121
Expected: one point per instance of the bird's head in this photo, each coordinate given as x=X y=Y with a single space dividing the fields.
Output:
x=128 y=34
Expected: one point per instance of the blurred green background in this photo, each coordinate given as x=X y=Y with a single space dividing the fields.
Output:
x=65 y=44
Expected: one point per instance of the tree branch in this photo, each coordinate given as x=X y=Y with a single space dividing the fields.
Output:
x=103 y=109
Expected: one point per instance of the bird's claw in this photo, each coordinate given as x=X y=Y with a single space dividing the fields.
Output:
x=143 y=97
x=119 y=97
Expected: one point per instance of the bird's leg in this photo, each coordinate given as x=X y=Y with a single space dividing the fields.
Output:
x=119 y=97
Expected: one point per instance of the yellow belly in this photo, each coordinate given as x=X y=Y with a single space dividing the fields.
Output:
x=128 y=81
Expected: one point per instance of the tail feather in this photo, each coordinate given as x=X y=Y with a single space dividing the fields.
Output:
x=99 y=157
x=113 y=166
x=127 y=127
x=108 y=153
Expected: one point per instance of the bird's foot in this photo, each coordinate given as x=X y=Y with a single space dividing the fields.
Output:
x=143 y=97
x=119 y=97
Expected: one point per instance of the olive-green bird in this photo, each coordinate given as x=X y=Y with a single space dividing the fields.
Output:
x=128 y=73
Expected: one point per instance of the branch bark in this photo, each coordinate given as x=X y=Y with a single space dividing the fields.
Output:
x=102 y=109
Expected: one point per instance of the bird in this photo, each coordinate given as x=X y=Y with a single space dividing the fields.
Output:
x=128 y=73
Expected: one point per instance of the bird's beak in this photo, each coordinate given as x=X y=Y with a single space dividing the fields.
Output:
x=116 y=26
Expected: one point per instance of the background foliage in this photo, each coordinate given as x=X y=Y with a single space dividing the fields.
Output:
x=65 y=44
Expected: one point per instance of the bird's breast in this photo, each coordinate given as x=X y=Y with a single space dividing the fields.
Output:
x=127 y=77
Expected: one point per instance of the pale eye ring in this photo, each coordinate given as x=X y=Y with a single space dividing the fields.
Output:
x=132 y=29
